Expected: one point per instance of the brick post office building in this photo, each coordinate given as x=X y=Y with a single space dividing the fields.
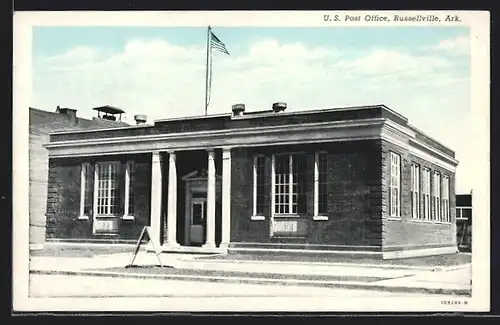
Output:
x=357 y=180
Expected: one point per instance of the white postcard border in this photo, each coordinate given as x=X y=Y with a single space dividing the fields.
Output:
x=479 y=24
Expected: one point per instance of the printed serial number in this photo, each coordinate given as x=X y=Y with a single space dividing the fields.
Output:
x=454 y=302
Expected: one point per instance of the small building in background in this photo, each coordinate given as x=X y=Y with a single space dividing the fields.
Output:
x=464 y=221
x=41 y=123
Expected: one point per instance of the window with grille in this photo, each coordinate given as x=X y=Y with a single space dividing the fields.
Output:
x=426 y=193
x=289 y=184
x=436 y=200
x=415 y=190
x=282 y=184
x=395 y=186
x=107 y=189
x=445 y=209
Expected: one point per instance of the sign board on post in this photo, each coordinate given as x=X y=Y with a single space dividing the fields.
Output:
x=156 y=245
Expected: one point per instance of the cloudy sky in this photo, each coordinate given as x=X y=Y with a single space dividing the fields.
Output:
x=421 y=72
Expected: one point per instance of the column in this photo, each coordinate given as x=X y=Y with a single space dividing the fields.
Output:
x=226 y=197
x=172 y=201
x=316 y=185
x=210 y=243
x=156 y=195
x=96 y=191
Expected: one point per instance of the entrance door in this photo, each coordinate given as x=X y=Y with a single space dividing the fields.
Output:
x=195 y=213
x=198 y=219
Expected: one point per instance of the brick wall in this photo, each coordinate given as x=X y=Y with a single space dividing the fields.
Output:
x=354 y=196
x=354 y=208
x=63 y=203
x=131 y=229
x=41 y=124
x=243 y=229
x=407 y=232
x=38 y=175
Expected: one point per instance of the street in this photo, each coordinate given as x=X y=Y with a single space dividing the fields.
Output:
x=95 y=286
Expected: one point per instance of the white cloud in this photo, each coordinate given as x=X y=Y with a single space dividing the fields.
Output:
x=392 y=62
x=459 y=45
x=81 y=54
x=161 y=80
x=271 y=50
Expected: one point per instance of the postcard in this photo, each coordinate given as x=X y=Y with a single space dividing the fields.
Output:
x=251 y=161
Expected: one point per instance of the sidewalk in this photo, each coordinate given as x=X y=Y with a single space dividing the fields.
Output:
x=455 y=280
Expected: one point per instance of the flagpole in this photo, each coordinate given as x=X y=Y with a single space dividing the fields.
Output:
x=206 y=74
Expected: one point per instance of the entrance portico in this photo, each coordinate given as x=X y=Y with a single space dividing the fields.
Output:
x=197 y=203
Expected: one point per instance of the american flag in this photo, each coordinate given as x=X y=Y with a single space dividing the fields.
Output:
x=216 y=43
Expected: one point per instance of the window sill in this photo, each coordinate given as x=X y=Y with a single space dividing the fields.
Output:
x=83 y=217
x=288 y=236
x=432 y=221
x=394 y=218
x=128 y=217
x=289 y=215
x=320 y=218
x=422 y=221
x=258 y=218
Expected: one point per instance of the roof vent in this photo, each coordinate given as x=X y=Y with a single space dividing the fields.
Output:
x=140 y=119
x=110 y=112
x=238 y=109
x=279 y=107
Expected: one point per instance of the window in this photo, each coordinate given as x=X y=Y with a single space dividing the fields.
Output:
x=129 y=208
x=426 y=193
x=465 y=213
x=415 y=190
x=85 y=191
x=321 y=184
x=445 y=200
x=436 y=199
x=395 y=186
x=258 y=187
x=107 y=188
x=289 y=184
x=282 y=184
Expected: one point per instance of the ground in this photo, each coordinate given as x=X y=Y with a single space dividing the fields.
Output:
x=99 y=271
x=228 y=274
x=62 y=250
x=88 y=286
x=438 y=260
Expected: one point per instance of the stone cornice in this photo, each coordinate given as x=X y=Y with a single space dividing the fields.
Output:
x=406 y=138
x=261 y=136
x=331 y=131
x=439 y=159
